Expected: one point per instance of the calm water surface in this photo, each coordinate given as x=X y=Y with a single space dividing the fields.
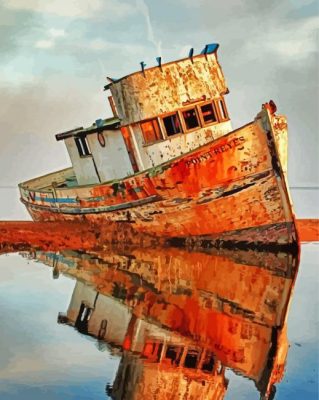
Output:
x=157 y=324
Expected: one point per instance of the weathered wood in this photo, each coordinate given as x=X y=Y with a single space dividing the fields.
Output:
x=233 y=186
x=141 y=96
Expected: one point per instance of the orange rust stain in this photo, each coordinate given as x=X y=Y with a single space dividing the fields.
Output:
x=308 y=230
x=18 y=235
x=46 y=235
x=137 y=97
x=189 y=192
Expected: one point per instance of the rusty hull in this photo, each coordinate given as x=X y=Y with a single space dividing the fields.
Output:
x=232 y=189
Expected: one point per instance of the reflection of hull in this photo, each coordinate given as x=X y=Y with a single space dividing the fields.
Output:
x=226 y=304
x=232 y=189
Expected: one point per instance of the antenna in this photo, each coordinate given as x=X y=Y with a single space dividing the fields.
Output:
x=191 y=54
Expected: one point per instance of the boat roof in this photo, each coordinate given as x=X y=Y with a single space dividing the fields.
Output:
x=107 y=124
x=208 y=49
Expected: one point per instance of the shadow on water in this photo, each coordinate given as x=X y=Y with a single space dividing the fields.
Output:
x=179 y=319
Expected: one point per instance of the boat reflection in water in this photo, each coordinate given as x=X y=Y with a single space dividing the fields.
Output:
x=179 y=319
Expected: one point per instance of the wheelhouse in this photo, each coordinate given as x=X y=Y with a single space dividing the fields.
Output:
x=159 y=113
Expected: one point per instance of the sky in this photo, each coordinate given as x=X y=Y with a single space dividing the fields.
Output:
x=55 y=56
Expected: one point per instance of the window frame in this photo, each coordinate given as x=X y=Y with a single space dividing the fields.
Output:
x=218 y=107
x=191 y=351
x=82 y=148
x=148 y=143
x=180 y=123
x=182 y=110
x=212 y=102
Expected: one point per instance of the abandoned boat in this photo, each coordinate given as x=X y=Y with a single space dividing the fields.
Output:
x=169 y=162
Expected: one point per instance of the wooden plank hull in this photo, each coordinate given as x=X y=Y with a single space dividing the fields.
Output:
x=232 y=189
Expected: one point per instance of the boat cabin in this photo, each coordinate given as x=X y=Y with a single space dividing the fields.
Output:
x=159 y=113
x=97 y=153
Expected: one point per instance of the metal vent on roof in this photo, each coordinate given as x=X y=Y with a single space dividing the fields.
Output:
x=99 y=122
x=210 y=48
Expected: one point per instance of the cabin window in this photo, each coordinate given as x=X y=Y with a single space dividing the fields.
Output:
x=220 y=369
x=151 y=131
x=153 y=351
x=102 y=330
x=159 y=351
x=174 y=353
x=208 y=113
x=82 y=146
x=190 y=118
x=172 y=124
x=208 y=363
x=191 y=359
x=222 y=109
x=82 y=320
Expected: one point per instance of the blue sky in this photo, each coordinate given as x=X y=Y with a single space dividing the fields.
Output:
x=56 y=54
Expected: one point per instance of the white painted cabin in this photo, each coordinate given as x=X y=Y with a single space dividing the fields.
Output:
x=160 y=113
x=98 y=153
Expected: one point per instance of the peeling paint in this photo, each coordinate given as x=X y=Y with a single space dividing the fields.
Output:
x=159 y=90
x=225 y=190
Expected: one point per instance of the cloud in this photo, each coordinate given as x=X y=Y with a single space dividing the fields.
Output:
x=295 y=41
x=14 y=31
x=73 y=8
x=53 y=34
x=142 y=7
x=56 y=32
x=44 y=44
x=98 y=44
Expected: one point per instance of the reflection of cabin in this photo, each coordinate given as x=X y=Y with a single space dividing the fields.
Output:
x=168 y=365
x=97 y=315
x=160 y=354
x=176 y=372
x=160 y=113
x=150 y=353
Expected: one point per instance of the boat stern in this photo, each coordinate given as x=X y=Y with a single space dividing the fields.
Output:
x=39 y=194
